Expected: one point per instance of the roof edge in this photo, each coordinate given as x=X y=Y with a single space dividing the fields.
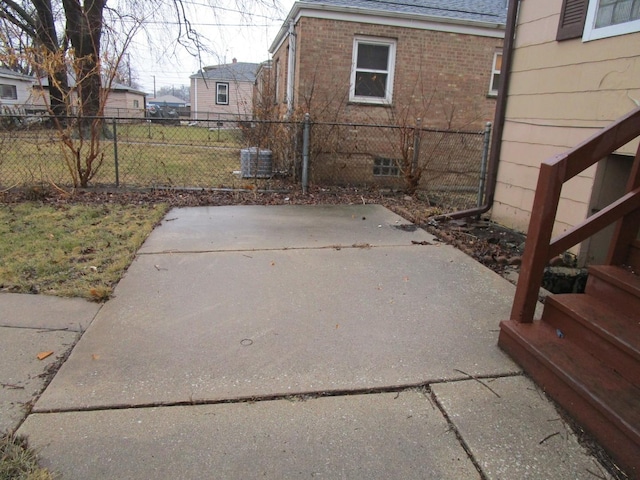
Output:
x=300 y=8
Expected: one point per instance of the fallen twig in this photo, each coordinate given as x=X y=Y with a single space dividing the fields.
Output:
x=479 y=381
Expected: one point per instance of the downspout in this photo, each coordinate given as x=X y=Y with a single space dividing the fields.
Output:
x=195 y=99
x=291 y=65
x=498 y=122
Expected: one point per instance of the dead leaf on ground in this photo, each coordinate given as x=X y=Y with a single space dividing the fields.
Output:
x=43 y=355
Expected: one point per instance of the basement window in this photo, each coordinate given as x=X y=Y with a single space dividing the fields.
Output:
x=385 y=167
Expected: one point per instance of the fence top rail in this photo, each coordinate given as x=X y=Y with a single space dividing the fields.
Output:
x=398 y=127
x=46 y=115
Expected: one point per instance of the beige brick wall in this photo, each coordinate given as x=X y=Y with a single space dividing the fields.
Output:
x=441 y=77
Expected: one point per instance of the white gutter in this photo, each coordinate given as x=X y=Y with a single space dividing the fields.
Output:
x=291 y=65
x=195 y=98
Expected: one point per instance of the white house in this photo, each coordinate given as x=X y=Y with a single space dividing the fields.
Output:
x=15 y=88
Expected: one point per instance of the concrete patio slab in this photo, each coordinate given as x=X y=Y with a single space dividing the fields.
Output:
x=212 y=326
x=513 y=431
x=278 y=227
x=21 y=373
x=377 y=436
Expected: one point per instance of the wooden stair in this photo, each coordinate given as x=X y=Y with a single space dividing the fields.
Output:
x=585 y=353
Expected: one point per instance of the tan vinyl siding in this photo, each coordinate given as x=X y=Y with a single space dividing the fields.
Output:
x=560 y=94
x=203 y=99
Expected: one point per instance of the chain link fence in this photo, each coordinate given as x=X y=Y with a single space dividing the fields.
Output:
x=448 y=166
x=237 y=153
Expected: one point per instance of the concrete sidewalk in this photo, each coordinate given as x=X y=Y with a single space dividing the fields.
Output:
x=292 y=342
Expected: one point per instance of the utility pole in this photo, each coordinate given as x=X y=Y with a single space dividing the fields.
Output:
x=154 y=86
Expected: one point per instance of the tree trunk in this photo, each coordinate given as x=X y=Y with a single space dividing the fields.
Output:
x=84 y=30
x=47 y=35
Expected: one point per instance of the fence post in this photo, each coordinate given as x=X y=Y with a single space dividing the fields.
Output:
x=115 y=151
x=416 y=146
x=483 y=163
x=305 y=154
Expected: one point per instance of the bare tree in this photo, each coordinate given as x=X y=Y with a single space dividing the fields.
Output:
x=79 y=46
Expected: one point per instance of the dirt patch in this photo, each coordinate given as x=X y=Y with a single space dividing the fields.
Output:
x=492 y=245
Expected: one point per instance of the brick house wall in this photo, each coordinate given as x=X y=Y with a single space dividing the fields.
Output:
x=441 y=77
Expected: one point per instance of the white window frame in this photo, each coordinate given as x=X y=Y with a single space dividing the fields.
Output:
x=493 y=89
x=388 y=98
x=218 y=85
x=592 y=33
x=10 y=88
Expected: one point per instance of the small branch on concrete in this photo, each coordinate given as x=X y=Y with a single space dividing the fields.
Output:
x=548 y=437
x=479 y=381
x=12 y=386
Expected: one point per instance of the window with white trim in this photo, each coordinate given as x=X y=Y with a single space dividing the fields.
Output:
x=608 y=18
x=222 y=93
x=8 y=92
x=495 y=74
x=372 y=70
x=594 y=19
x=136 y=104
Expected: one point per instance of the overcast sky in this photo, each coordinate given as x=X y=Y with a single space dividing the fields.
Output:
x=229 y=34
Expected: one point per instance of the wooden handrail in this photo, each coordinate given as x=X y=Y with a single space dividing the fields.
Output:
x=554 y=172
x=605 y=217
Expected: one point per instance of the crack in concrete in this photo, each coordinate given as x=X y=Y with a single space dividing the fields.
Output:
x=299 y=396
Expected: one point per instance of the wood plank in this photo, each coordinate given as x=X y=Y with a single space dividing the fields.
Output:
x=607 y=405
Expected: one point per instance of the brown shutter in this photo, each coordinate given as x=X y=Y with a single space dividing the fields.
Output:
x=572 y=17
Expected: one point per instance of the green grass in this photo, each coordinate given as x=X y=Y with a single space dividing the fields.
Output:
x=18 y=461
x=71 y=250
x=148 y=155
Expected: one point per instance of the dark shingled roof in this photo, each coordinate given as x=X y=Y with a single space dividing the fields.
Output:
x=488 y=11
x=239 y=71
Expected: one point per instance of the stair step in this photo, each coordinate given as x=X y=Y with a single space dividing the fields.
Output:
x=611 y=335
x=602 y=401
x=634 y=255
x=616 y=285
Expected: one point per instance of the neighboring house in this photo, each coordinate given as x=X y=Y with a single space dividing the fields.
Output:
x=15 y=88
x=123 y=101
x=368 y=60
x=263 y=93
x=167 y=100
x=223 y=91
x=576 y=68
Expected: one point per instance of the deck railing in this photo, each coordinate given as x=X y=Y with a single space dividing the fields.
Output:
x=540 y=247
